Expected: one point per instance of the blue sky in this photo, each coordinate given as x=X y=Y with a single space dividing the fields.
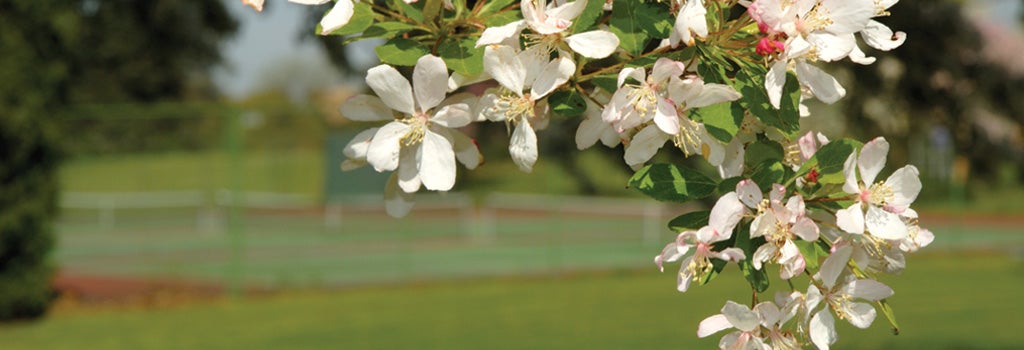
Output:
x=269 y=41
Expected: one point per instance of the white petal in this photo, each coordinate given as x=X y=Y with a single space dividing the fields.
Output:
x=764 y=253
x=556 y=73
x=872 y=159
x=593 y=44
x=850 y=170
x=453 y=116
x=824 y=86
x=879 y=36
x=749 y=193
x=391 y=87
x=665 y=68
x=365 y=108
x=851 y=219
x=384 y=148
x=823 y=329
x=430 y=81
x=466 y=151
x=397 y=203
x=502 y=35
x=906 y=185
x=741 y=316
x=568 y=11
x=256 y=4
x=733 y=164
x=774 y=82
x=636 y=73
x=713 y=94
x=712 y=325
x=861 y=315
x=726 y=213
x=806 y=229
x=523 y=146
x=834 y=265
x=684 y=276
x=436 y=162
x=848 y=16
x=770 y=313
x=337 y=17
x=859 y=57
x=357 y=147
x=672 y=252
x=408 y=170
x=883 y=224
x=665 y=117
x=645 y=144
x=867 y=289
x=590 y=130
x=831 y=47
x=502 y=63
x=729 y=254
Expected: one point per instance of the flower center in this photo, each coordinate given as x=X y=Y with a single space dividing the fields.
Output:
x=816 y=19
x=688 y=140
x=515 y=108
x=418 y=124
x=878 y=194
x=700 y=265
x=643 y=100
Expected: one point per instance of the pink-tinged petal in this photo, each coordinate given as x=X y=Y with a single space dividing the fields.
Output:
x=850 y=170
x=453 y=116
x=712 y=149
x=307 y=2
x=712 y=325
x=522 y=147
x=906 y=185
x=436 y=162
x=851 y=219
x=778 y=192
x=774 y=82
x=740 y=316
x=872 y=159
x=795 y=208
x=666 y=118
x=879 y=36
x=645 y=144
x=408 y=170
x=567 y=11
x=556 y=73
x=726 y=213
x=860 y=315
x=749 y=193
x=764 y=253
x=397 y=203
x=712 y=94
x=593 y=44
x=634 y=73
x=708 y=234
x=391 y=87
x=823 y=329
x=834 y=266
x=867 y=289
x=808 y=146
x=430 y=81
x=503 y=64
x=365 y=108
x=672 y=252
x=357 y=147
x=806 y=229
x=337 y=17
x=665 y=68
x=730 y=254
x=385 y=146
x=883 y=224
x=823 y=85
x=732 y=166
x=502 y=35
x=256 y=4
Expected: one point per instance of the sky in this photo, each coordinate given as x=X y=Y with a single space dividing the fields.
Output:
x=267 y=48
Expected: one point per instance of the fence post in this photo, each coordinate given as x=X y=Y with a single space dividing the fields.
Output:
x=236 y=205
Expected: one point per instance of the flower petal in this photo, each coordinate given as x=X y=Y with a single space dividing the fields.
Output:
x=712 y=94
x=749 y=193
x=774 y=82
x=872 y=159
x=834 y=266
x=851 y=219
x=883 y=224
x=430 y=81
x=726 y=213
x=712 y=325
x=823 y=329
x=391 y=87
x=357 y=147
x=555 y=73
x=408 y=170
x=453 y=116
x=384 y=148
x=502 y=63
x=850 y=170
x=741 y=316
x=764 y=253
x=507 y=34
x=436 y=162
x=593 y=44
x=879 y=36
x=397 y=203
x=665 y=117
x=861 y=315
x=337 y=17
x=365 y=108
x=867 y=289
x=645 y=144
x=806 y=229
x=523 y=146
x=822 y=85
x=466 y=151
x=906 y=185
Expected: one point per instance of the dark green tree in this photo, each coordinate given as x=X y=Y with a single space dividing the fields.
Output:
x=57 y=55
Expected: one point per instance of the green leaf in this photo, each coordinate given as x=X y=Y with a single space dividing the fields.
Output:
x=667 y=182
x=401 y=52
x=890 y=315
x=635 y=23
x=758 y=279
x=762 y=151
x=408 y=10
x=568 y=103
x=493 y=6
x=722 y=120
x=607 y=82
x=750 y=83
x=828 y=161
x=462 y=56
x=387 y=30
x=431 y=9
x=768 y=173
x=728 y=185
x=362 y=18
x=589 y=16
x=810 y=252
x=502 y=18
x=690 y=221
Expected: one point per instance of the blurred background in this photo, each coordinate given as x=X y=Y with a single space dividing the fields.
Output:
x=169 y=178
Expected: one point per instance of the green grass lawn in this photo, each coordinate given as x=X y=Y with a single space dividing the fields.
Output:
x=943 y=301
